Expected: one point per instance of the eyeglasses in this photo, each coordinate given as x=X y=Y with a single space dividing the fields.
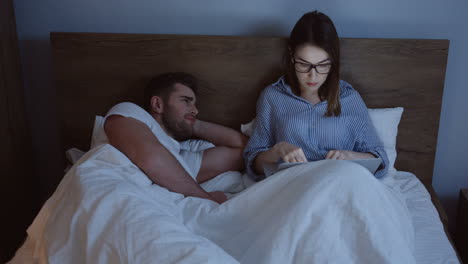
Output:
x=303 y=67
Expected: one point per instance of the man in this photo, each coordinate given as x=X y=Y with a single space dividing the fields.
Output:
x=156 y=149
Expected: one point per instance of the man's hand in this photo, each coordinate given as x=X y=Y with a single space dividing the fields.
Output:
x=347 y=155
x=218 y=197
x=289 y=153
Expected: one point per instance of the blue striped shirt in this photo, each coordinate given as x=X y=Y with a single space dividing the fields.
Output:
x=283 y=116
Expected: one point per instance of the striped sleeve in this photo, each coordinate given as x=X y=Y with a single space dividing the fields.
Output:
x=261 y=138
x=368 y=140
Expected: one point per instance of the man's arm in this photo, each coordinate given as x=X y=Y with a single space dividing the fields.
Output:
x=219 y=135
x=226 y=156
x=137 y=142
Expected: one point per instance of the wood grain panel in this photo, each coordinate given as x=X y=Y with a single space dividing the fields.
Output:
x=94 y=71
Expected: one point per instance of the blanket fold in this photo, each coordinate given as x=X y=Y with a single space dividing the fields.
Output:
x=107 y=211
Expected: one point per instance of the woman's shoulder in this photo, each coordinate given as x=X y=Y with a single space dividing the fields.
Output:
x=348 y=91
x=346 y=88
x=278 y=88
x=279 y=85
x=350 y=97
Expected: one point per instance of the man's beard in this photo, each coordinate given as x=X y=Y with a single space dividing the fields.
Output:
x=178 y=129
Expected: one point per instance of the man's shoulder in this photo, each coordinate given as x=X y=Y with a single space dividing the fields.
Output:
x=128 y=109
x=131 y=110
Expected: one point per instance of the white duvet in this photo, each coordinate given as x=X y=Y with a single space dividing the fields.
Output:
x=107 y=211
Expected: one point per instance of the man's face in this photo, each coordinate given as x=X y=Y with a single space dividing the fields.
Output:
x=180 y=113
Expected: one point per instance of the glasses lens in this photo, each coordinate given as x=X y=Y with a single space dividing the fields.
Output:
x=306 y=67
x=302 y=67
x=323 y=68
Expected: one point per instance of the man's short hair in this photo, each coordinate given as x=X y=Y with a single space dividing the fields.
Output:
x=163 y=85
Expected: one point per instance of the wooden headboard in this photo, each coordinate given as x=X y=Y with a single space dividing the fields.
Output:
x=94 y=71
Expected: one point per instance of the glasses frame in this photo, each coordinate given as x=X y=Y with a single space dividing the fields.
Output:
x=312 y=66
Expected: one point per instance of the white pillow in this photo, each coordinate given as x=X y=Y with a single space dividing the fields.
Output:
x=247 y=129
x=385 y=121
x=99 y=136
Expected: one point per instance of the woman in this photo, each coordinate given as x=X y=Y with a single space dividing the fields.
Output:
x=309 y=113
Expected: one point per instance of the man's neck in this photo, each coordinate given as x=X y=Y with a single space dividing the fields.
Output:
x=158 y=119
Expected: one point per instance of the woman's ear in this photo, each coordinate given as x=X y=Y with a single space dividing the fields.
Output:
x=157 y=105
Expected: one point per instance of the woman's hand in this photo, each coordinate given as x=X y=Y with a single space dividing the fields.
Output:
x=284 y=150
x=289 y=153
x=348 y=155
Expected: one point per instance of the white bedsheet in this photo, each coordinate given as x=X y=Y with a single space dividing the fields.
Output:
x=106 y=211
x=431 y=243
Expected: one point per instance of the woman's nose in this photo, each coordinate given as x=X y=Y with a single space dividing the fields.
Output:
x=312 y=73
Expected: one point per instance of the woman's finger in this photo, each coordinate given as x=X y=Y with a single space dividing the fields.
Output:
x=332 y=154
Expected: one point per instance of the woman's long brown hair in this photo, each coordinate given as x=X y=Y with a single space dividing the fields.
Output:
x=317 y=29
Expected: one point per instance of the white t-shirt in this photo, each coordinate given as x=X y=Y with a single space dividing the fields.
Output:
x=189 y=153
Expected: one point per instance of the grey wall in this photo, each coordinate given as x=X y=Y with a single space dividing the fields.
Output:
x=362 y=18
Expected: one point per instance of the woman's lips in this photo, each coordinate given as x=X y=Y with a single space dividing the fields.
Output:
x=311 y=84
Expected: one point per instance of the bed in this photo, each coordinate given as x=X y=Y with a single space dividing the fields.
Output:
x=94 y=71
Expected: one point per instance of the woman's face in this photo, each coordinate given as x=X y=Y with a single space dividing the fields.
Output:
x=307 y=60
